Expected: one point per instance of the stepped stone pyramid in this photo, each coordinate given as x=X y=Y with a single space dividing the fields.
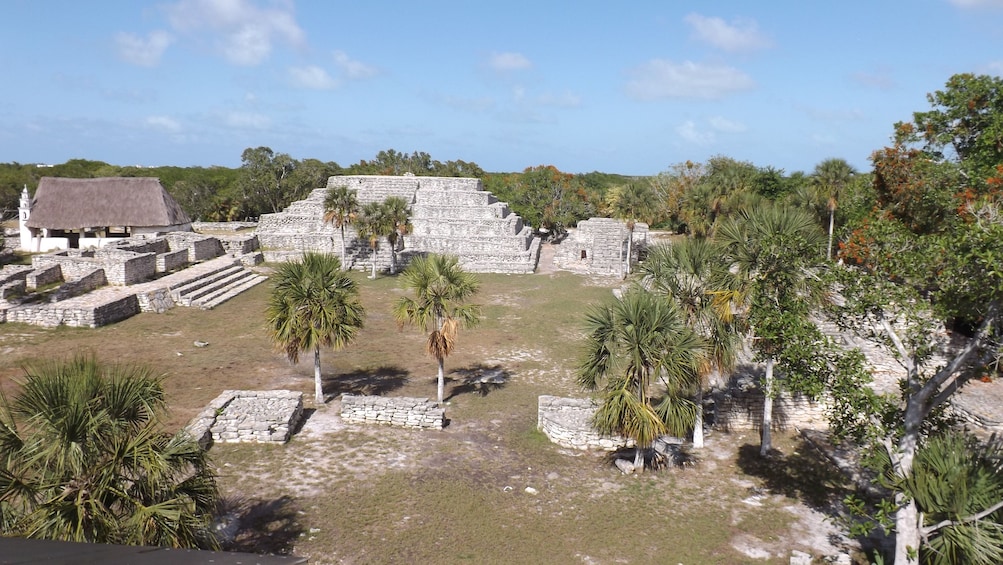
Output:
x=450 y=215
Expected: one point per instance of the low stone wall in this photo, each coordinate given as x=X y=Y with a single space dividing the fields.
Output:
x=172 y=260
x=741 y=408
x=44 y=276
x=568 y=423
x=12 y=288
x=237 y=416
x=52 y=315
x=238 y=244
x=223 y=226
x=158 y=300
x=419 y=413
x=82 y=285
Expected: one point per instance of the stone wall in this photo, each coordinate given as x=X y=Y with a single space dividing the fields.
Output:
x=222 y=226
x=52 y=315
x=83 y=285
x=238 y=416
x=121 y=267
x=418 y=413
x=568 y=423
x=158 y=300
x=740 y=407
x=172 y=260
x=43 y=276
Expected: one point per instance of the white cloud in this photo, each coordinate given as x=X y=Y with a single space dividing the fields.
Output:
x=689 y=132
x=503 y=62
x=143 y=51
x=726 y=126
x=312 y=77
x=247 y=120
x=659 y=79
x=353 y=69
x=739 y=35
x=163 y=123
x=244 y=33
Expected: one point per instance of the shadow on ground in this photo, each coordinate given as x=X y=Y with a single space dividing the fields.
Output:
x=266 y=526
x=477 y=379
x=375 y=381
x=804 y=474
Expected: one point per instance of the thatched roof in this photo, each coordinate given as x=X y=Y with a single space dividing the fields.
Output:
x=70 y=204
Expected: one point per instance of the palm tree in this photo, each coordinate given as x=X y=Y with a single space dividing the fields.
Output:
x=373 y=224
x=633 y=343
x=313 y=304
x=83 y=458
x=832 y=176
x=774 y=255
x=632 y=203
x=341 y=207
x=441 y=288
x=398 y=217
x=685 y=271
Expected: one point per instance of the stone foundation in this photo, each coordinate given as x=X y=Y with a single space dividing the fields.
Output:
x=238 y=416
x=568 y=423
x=417 y=413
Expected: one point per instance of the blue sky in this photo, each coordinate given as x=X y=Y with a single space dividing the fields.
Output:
x=628 y=88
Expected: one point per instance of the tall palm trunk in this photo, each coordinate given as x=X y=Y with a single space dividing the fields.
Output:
x=698 y=424
x=373 y=276
x=832 y=222
x=440 y=386
x=344 y=250
x=630 y=242
x=767 y=442
x=318 y=386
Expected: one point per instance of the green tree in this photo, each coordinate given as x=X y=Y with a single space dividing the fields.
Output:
x=341 y=208
x=632 y=344
x=441 y=289
x=774 y=258
x=265 y=180
x=397 y=213
x=831 y=177
x=313 y=304
x=687 y=272
x=373 y=224
x=83 y=457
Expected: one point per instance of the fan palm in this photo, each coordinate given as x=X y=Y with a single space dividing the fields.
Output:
x=313 y=304
x=685 y=271
x=83 y=458
x=633 y=343
x=440 y=288
x=397 y=214
x=373 y=224
x=773 y=256
x=832 y=176
x=632 y=203
x=341 y=208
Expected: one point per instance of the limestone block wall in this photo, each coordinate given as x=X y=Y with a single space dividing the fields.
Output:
x=157 y=300
x=15 y=287
x=10 y=273
x=52 y=315
x=222 y=226
x=568 y=423
x=417 y=413
x=741 y=408
x=238 y=416
x=83 y=285
x=167 y=262
x=43 y=276
x=125 y=268
x=238 y=244
x=599 y=246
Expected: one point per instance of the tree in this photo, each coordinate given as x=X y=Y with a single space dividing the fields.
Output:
x=632 y=203
x=264 y=180
x=440 y=289
x=341 y=208
x=632 y=344
x=686 y=272
x=774 y=258
x=373 y=224
x=925 y=259
x=397 y=214
x=83 y=457
x=313 y=304
x=831 y=177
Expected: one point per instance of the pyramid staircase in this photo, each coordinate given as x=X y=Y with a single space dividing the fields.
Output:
x=215 y=286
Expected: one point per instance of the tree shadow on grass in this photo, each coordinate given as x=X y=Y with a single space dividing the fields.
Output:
x=371 y=382
x=479 y=378
x=805 y=474
x=265 y=526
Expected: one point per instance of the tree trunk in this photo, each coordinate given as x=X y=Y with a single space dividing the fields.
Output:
x=318 y=386
x=907 y=526
x=373 y=276
x=832 y=222
x=698 y=424
x=766 y=442
x=344 y=250
x=638 y=459
x=441 y=383
x=630 y=242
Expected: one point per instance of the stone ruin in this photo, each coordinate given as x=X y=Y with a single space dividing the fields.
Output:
x=95 y=287
x=449 y=215
x=405 y=412
x=242 y=416
x=598 y=246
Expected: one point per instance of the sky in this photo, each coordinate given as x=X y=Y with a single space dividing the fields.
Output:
x=629 y=88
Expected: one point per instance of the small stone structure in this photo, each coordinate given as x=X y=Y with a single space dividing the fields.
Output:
x=568 y=423
x=240 y=416
x=417 y=413
x=449 y=215
x=598 y=246
x=740 y=407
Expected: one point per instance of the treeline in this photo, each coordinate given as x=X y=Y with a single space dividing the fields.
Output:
x=688 y=197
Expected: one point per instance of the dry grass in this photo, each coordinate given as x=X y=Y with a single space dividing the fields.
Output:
x=342 y=493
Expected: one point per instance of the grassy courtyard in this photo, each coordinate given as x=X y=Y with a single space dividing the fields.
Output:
x=487 y=489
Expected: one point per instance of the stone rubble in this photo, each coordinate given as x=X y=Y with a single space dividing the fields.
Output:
x=406 y=412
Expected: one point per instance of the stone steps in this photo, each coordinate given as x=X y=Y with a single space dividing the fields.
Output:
x=187 y=293
x=214 y=299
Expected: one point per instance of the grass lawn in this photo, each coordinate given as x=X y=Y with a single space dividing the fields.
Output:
x=341 y=493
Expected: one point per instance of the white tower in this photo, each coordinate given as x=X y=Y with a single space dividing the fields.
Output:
x=23 y=211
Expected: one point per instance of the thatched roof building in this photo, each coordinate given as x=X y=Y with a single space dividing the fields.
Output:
x=74 y=204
